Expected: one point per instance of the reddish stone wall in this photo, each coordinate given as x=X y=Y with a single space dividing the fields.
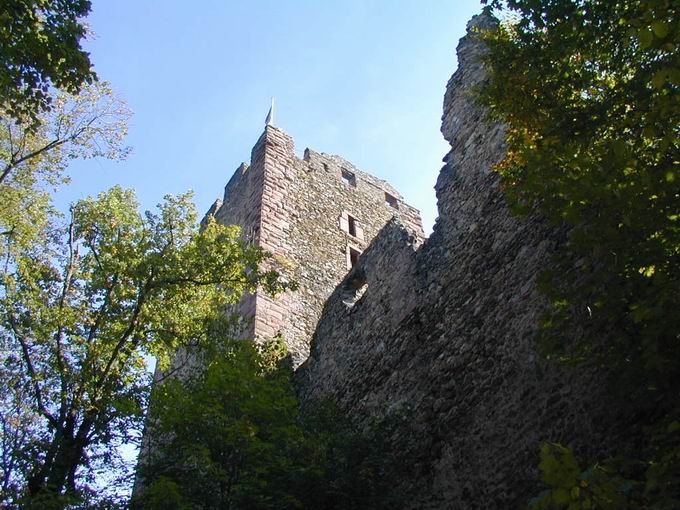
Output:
x=298 y=210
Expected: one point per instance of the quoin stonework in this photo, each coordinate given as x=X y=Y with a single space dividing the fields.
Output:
x=316 y=215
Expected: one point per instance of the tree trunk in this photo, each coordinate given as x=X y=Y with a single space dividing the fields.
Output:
x=50 y=487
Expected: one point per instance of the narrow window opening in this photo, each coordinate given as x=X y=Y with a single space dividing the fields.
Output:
x=325 y=166
x=352 y=257
x=348 y=178
x=391 y=201
x=352 y=226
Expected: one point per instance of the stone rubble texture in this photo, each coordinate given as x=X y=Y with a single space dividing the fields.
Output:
x=445 y=332
x=293 y=208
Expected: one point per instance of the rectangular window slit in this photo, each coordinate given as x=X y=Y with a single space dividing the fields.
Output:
x=352 y=226
x=391 y=201
x=348 y=178
x=353 y=257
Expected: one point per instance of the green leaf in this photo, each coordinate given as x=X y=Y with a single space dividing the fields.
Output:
x=659 y=78
x=561 y=496
x=645 y=36
x=660 y=28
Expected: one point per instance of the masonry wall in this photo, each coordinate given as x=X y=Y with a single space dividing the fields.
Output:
x=445 y=333
x=299 y=210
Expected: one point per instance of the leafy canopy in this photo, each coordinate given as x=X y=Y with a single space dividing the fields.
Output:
x=40 y=48
x=33 y=158
x=590 y=92
x=234 y=437
x=85 y=307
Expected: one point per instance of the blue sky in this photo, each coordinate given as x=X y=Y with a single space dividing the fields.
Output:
x=362 y=79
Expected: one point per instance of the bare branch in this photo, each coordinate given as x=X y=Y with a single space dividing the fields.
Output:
x=16 y=162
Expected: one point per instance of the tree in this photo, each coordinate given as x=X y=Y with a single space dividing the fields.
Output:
x=86 y=306
x=18 y=429
x=33 y=157
x=87 y=125
x=590 y=93
x=231 y=428
x=40 y=48
x=233 y=436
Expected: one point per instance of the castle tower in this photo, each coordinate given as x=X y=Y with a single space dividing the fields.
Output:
x=315 y=215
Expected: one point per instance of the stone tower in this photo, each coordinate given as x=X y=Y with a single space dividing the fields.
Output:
x=315 y=215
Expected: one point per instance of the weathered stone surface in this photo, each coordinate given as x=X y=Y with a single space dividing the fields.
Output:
x=447 y=331
x=300 y=210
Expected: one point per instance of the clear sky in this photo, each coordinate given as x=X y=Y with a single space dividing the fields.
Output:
x=363 y=79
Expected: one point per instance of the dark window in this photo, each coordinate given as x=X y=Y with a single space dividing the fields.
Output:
x=353 y=257
x=391 y=201
x=352 y=226
x=348 y=177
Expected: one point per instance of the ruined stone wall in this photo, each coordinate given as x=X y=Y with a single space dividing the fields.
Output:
x=300 y=210
x=445 y=332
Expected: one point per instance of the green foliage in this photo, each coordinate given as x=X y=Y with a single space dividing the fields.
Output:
x=86 y=306
x=591 y=94
x=164 y=494
x=590 y=91
x=33 y=158
x=571 y=488
x=40 y=48
x=228 y=426
x=662 y=473
x=233 y=437
x=619 y=483
x=350 y=468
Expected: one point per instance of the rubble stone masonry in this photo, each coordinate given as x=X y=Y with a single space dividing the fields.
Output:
x=445 y=333
x=314 y=215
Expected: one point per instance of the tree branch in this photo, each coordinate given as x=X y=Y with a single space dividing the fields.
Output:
x=86 y=364
x=141 y=299
x=57 y=142
x=16 y=162
x=59 y=334
x=197 y=282
x=26 y=353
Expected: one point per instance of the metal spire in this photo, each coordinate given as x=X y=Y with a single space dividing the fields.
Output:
x=269 y=121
